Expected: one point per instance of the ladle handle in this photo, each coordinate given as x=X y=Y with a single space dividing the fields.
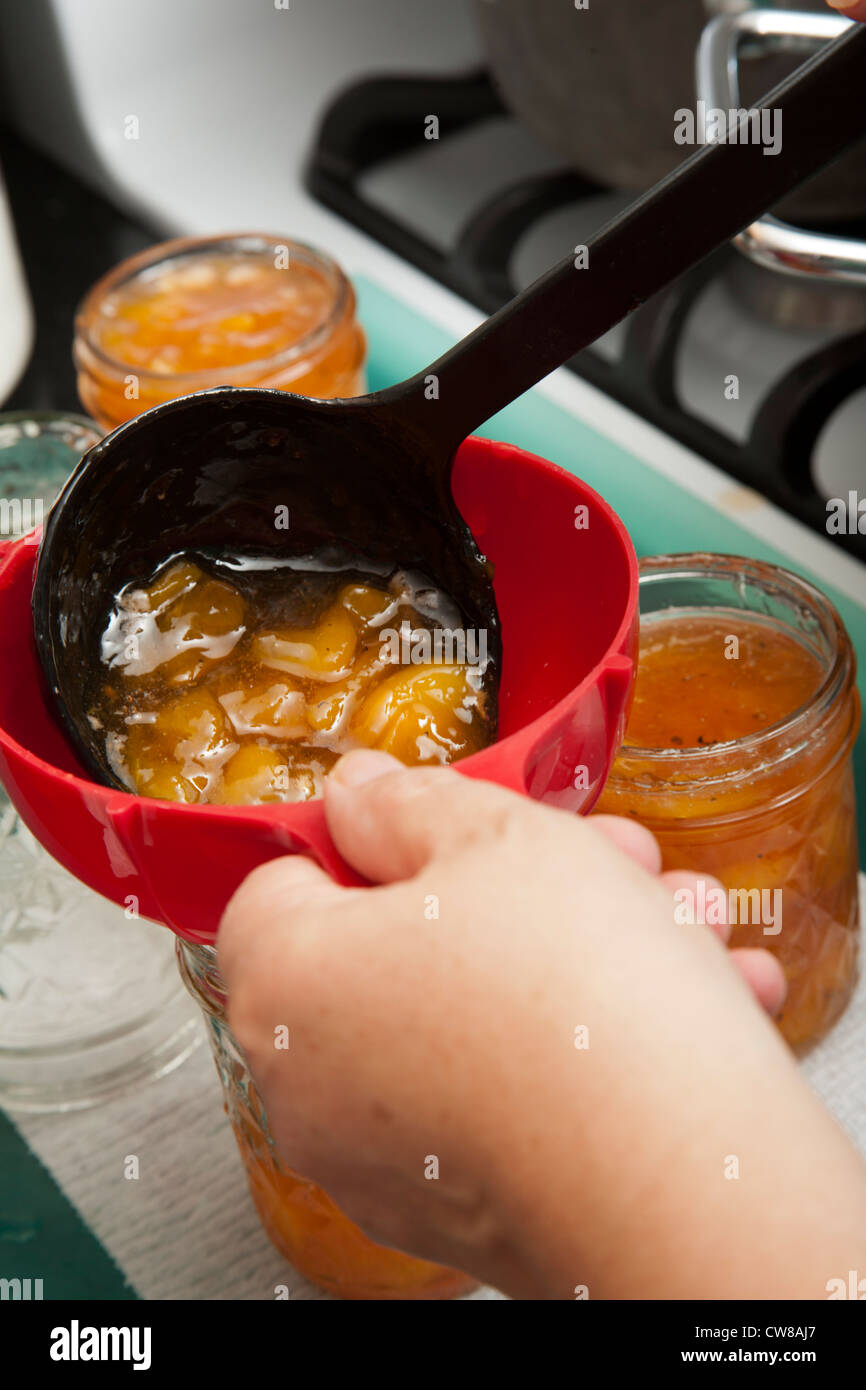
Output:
x=708 y=199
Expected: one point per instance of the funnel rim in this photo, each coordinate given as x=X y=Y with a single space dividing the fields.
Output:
x=116 y=798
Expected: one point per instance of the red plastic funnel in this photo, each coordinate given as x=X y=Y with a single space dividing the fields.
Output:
x=568 y=599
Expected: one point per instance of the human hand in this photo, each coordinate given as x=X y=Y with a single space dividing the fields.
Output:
x=453 y=1034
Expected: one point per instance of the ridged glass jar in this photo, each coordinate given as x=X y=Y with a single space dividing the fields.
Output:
x=300 y=1219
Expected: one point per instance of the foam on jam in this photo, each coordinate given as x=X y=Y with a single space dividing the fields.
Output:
x=247 y=690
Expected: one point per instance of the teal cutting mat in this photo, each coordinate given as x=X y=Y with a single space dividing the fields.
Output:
x=42 y=1236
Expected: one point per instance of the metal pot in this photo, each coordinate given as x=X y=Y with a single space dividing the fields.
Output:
x=600 y=86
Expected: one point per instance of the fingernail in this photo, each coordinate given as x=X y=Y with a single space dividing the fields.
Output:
x=363 y=765
x=843 y=4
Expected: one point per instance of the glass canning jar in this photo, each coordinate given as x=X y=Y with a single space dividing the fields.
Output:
x=241 y=310
x=300 y=1219
x=90 y=1002
x=774 y=809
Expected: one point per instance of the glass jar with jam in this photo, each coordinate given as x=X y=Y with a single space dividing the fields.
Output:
x=301 y=1220
x=737 y=756
x=247 y=310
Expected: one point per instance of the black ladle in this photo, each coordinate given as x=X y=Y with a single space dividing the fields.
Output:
x=372 y=474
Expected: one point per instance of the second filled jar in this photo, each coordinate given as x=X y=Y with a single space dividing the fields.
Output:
x=737 y=757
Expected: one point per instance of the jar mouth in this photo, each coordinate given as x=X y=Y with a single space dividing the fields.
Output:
x=796 y=593
x=187 y=248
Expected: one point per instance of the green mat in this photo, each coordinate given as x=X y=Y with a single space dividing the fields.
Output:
x=42 y=1236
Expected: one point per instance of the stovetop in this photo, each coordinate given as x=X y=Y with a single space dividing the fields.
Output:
x=759 y=372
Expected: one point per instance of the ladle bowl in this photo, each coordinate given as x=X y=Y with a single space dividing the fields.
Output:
x=240 y=472
x=565 y=581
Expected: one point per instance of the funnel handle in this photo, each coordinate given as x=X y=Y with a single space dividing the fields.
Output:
x=312 y=838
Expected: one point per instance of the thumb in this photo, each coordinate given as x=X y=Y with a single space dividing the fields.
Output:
x=389 y=821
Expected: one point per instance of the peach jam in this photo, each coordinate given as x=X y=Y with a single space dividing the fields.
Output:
x=241 y=682
x=239 y=311
x=737 y=756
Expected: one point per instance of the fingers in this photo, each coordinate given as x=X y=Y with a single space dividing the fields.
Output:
x=698 y=898
x=635 y=841
x=270 y=897
x=763 y=974
x=391 y=830
x=389 y=821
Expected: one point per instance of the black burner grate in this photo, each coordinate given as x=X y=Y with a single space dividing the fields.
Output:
x=378 y=119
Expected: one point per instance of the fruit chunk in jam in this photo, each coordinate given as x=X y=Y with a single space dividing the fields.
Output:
x=324 y=652
x=418 y=714
x=208 y=693
x=178 y=753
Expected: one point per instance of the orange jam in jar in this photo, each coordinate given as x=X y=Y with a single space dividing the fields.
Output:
x=248 y=310
x=737 y=756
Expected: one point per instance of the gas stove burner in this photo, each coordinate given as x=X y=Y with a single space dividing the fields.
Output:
x=801 y=357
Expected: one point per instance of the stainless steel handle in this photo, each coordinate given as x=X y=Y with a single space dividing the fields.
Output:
x=769 y=241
